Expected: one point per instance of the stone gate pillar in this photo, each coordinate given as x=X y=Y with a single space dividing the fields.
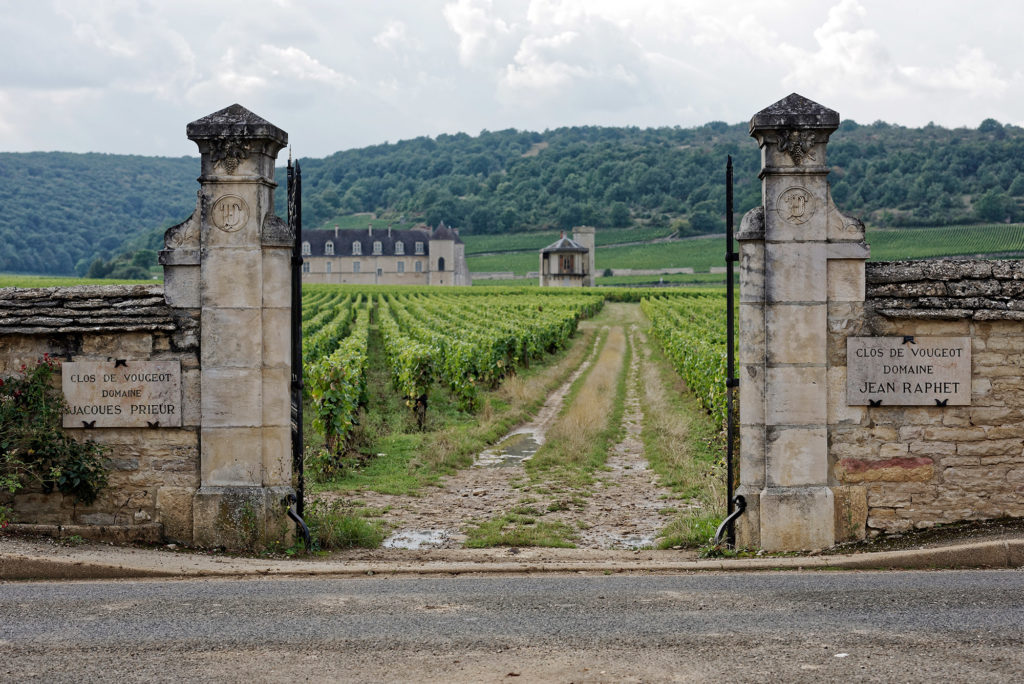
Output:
x=231 y=260
x=787 y=282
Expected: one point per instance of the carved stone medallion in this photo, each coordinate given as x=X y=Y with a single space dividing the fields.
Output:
x=796 y=206
x=230 y=213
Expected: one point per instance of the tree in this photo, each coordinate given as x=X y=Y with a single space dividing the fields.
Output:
x=618 y=215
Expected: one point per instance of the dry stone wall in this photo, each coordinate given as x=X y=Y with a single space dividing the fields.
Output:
x=915 y=467
x=154 y=471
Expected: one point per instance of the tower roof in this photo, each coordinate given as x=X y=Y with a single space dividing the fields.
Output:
x=564 y=244
x=443 y=232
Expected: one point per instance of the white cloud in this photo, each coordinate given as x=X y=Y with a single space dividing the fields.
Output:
x=852 y=59
x=973 y=74
x=393 y=36
x=479 y=31
x=74 y=71
x=291 y=62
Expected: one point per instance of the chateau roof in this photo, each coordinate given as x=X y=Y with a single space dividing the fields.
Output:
x=564 y=244
x=345 y=239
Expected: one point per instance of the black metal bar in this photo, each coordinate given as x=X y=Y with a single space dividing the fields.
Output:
x=295 y=223
x=741 y=505
x=730 y=371
x=294 y=515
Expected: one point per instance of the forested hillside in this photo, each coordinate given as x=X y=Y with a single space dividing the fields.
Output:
x=62 y=211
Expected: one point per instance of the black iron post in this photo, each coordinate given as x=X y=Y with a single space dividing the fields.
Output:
x=295 y=223
x=731 y=381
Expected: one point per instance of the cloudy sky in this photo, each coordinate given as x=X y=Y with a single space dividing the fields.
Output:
x=125 y=76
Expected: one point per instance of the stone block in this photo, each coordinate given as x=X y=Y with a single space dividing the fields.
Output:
x=866 y=451
x=893 y=450
x=751 y=333
x=232 y=338
x=232 y=397
x=752 y=456
x=796 y=456
x=277 y=404
x=751 y=394
x=889 y=495
x=233 y=219
x=748 y=525
x=121 y=345
x=956 y=417
x=908 y=469
x=241 y=518
x=954 y=434
x=798 y=396
x=181 y=286
x=191 y=398
x=277 y=338
x=932 y=449
x=851 y=513
x=752 y=274
x=846 y=280
x=232 y=456
x=186 y=339
x=838 y=411
x=795 y=333
x=277 y=278
x=796 y=208
x=886 y=524
x=908 y=433
x=980 y=478
x=991 y=447
x=174 y=511
x=232 y=278
x=795 y=273
x=277 y=456
x=797 y=518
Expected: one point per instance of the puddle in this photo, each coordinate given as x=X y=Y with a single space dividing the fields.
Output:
x=416 y=539
x=511 y=451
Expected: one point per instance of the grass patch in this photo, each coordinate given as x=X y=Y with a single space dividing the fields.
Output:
x=520 y=529
x=15 y=280
x=686 y=449
x=340 y=525
x=699 y=254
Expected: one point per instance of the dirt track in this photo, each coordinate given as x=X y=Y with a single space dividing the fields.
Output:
x=620 y=513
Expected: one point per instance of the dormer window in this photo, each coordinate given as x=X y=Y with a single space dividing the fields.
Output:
x=399 y=248
x=378 y=248
x=329 y=248
x=419 y=248
x=357 y=248
x=305 y=249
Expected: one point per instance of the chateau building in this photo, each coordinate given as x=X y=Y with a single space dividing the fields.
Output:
x=569 y=262
x=418 y=256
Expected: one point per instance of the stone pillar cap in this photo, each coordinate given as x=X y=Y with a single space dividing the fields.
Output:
x=794 y=112
x=234 y=122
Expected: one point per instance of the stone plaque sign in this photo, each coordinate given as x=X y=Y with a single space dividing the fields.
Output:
x=104 y=394
x=908 y=371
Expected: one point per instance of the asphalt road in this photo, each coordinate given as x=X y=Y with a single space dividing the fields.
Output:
x=826 y=626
